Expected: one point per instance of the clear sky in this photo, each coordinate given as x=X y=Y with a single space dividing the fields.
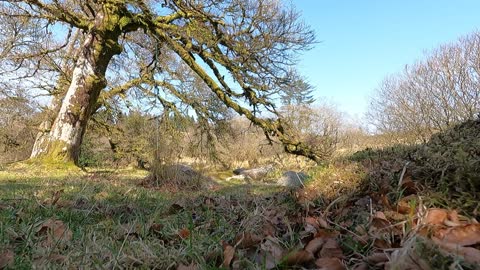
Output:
x=362 y=41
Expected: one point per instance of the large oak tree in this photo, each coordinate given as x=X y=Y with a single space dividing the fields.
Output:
x=86 y=53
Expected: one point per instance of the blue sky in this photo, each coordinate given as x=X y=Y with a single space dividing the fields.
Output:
x=362 y=41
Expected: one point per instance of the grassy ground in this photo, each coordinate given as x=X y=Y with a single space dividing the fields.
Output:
x=397 y=208
x=107 y=220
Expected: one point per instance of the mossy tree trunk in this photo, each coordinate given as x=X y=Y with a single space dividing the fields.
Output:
x=61 y=143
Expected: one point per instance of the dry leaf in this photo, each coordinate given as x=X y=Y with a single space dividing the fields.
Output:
x=315 y=245
x=361 y=266
x=269 y=230
x=436 y=216
x=377 y=258
x=56 y=196
x=228 y=253
x=300 y=257
x=55 y=231
x=469 y=254
x=272 y=252
x=6 y=258
x=247 y=240
x=155 y=228
x=331 y=248
x=381 y=243
x=329 y=264
x=404 y=206
x=465 y=235
x=184 y=233
x=175 y=208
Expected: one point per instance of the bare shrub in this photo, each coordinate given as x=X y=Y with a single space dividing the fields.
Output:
x=431 y=95
x=319 y=127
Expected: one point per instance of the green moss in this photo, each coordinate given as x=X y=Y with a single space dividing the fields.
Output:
x=124 y=21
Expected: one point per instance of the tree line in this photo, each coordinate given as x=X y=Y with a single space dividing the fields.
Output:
x=432 y=94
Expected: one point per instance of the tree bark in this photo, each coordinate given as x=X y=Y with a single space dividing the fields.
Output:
x=61 y=143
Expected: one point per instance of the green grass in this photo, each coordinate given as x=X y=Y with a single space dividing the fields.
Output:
x=116 y=223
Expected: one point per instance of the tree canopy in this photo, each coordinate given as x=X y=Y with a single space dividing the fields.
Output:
x=178 y=55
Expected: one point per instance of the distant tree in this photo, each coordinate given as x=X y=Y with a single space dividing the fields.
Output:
x=299 y=93
x=318 y=126
x=433 y=94
x=87 y=53
x=18 y=120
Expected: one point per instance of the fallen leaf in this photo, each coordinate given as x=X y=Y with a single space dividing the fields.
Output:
x=436 y=216
x=381 y=243
x=330 y=249
x=396 y=216
x=155 y=228
x=6 y=258
x=409 y=185
x=315 y=245
x=453 y=218
x=405 y=205
x=300 y=257
x=55 y=230
x=269 y=230
x=247 y=240
x=175 y=208
x=271 y=253
x=465 y=235
x=380 y=215
x=329 y=264
x=469 y=254
x=184 y=233
x=56 y=196
x=376 y=258
x=361 y=266
x=228 y=253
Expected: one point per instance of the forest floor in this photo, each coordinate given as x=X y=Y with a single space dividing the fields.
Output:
x=396 y=208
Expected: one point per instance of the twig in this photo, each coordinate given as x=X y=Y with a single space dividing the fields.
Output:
x=402 y=175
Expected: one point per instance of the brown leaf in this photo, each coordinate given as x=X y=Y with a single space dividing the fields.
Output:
x=272 y=252
x=453 y=217
x=329 y=264
x=247 y=240
x=184 y=233
x=404 y=206
x=228 y=253
x=56 y=196
x=300 y=257
x=381 y=243
x=469 y=254
x=175 y=208
x=269 y=230
x=377 y=258
x=317 y=222
x=361 y=266
x=409 y=185
x=6 y=258
x=55 y=231
x=436 y=216
x=330 y=249
x=192 y=266
x=465 y=235
x=155 y=228
x=315 y=245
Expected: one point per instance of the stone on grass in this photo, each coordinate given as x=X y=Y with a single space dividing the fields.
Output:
x=292 y=179
x=255 y=173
